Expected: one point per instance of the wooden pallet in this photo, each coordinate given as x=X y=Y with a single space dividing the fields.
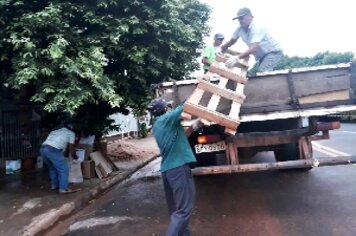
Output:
x=208 y=114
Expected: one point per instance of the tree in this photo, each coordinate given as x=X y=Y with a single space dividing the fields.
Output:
x=321 y=58
x=324 y=58
x=73 y=53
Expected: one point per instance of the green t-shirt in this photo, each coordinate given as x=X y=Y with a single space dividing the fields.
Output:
x=210 y=53
x=171 y=140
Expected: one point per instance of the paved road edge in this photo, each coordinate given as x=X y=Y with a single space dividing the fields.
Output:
x=49 y=218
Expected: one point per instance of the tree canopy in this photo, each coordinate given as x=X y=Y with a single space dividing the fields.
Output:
x=75 y=53
x=322 y=58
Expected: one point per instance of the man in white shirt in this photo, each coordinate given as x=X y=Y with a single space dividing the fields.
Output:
x=52 y=153
x=261 y=45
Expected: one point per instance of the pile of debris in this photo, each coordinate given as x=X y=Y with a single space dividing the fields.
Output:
x=127 y=151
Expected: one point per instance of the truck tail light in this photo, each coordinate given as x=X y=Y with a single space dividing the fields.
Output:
x=202 y=139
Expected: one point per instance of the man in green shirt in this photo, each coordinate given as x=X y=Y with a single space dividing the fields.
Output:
x=177 y=156
x=210 y=52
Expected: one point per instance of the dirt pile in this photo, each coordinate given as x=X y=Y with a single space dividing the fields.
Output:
x=126 y=151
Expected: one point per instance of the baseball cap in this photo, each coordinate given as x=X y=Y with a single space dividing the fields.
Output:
x=69 y=126
x=219 y=36
x=242 y=12
x=157 y=106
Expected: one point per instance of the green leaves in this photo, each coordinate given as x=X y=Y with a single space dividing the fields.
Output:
x=57 y=48
x=75 y=53
x=324 y=58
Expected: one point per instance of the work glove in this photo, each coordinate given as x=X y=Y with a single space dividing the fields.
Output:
x=232 y=61
x=197 y=124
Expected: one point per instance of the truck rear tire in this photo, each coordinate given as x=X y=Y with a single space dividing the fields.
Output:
x=289 y=152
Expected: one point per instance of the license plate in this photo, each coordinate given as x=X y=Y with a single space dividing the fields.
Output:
x=211 y=147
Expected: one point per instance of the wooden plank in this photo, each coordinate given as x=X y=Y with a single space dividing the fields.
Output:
x=316 y=82
x=252 y=167
x=273 y=89
x=305 y=148
x=215 y=99
x=215 y=68
x=330 y=96
x=230 y=131
x=185 y=116
x=235 y=107
x=206 y=122
x=101 y=163
x=266 y=91
x=251 y=141
x=196 y=96
x=213 y=116
x=101 y=171
x=220 y=92
x=227 y=155
x=233 y=153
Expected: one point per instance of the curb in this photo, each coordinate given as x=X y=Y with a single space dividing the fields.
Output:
x=49 y=218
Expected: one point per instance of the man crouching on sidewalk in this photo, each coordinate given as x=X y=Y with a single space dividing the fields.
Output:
x=177 y=156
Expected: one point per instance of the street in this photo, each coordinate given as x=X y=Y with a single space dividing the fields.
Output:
x=316 y=202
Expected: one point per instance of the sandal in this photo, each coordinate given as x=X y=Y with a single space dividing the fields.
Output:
x=69 y=191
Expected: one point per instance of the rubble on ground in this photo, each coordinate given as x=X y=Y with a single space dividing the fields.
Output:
x=126 y=151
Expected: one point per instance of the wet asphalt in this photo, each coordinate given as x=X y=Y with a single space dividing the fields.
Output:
x=318 y=202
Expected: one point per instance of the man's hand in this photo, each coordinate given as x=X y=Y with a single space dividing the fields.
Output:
x=194 y=126
x=72 y=151
x=232 y=61
x=197 y=124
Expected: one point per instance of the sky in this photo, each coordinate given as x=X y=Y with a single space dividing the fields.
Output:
x=302 y=27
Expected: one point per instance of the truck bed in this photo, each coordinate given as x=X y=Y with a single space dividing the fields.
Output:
x=283 y=94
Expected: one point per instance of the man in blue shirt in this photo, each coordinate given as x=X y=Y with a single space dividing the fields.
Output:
x=177 y=156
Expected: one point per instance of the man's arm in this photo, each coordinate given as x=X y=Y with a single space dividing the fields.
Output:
x=197 y=124
x=252 y=48
x=72 y=151
x=176 y=113
x=234 y=59
x=228 y=44
x=205 y=61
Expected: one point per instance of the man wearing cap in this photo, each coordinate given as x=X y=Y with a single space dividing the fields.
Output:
x=52 y=153
x=210 y=52
x=177 y=156
x=261 y=45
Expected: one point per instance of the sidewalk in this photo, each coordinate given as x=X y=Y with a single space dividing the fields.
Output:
x=28 y=206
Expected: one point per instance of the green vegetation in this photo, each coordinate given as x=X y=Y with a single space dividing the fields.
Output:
x=143 y=130
x=324 y=58
x=106 y=53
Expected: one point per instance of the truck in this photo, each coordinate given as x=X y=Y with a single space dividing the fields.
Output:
x=283 y=112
